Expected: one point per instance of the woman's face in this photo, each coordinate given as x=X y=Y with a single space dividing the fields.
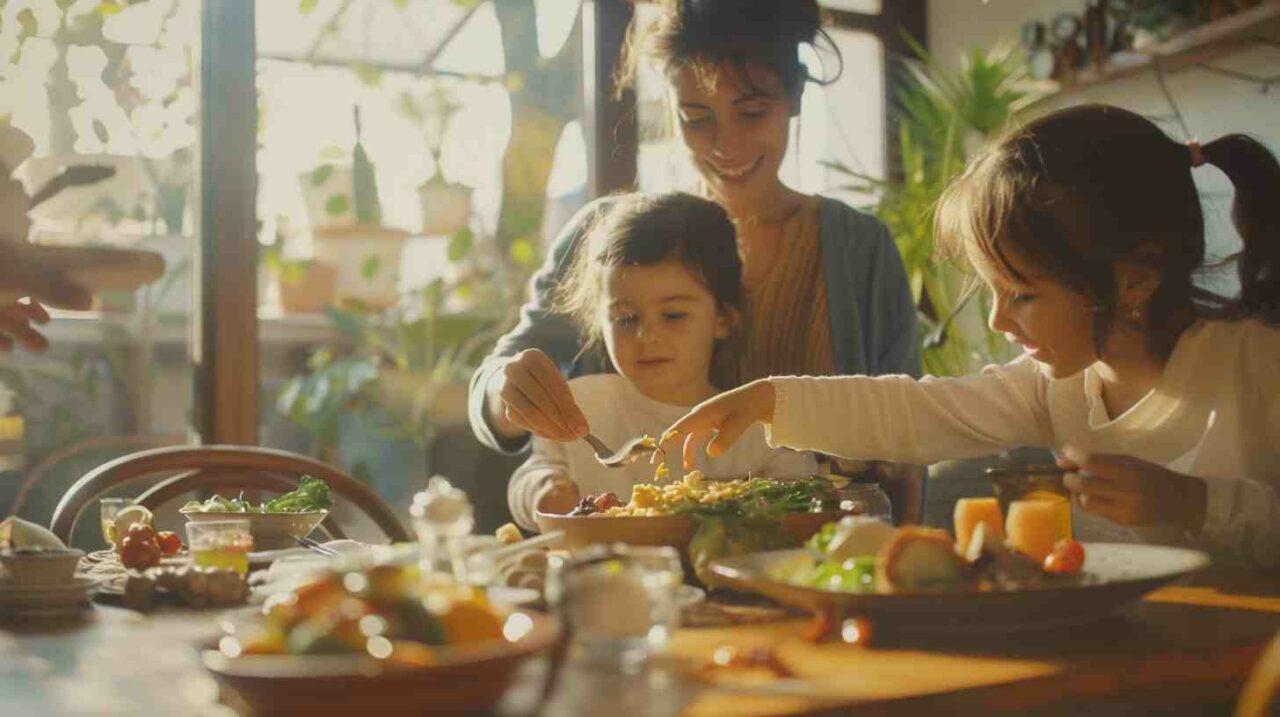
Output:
x=736 y=135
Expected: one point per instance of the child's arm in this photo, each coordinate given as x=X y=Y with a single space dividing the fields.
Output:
x=894 y=418
x=541 y=482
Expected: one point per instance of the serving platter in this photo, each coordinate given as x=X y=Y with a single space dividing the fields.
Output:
x=1114 y=574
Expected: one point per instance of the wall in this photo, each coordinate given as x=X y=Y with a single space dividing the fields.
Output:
x=1211 y=103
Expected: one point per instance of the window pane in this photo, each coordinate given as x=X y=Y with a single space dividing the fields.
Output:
x=392 y=255
x=85 y=86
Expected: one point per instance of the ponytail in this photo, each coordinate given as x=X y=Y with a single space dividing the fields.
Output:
x=1255 y=175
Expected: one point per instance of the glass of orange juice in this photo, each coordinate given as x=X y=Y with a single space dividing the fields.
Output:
x=220 y=544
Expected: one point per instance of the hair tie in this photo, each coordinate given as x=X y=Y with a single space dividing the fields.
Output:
x=1196 y=152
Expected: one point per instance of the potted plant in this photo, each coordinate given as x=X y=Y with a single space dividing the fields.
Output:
x=944 y=117
x=346 y=222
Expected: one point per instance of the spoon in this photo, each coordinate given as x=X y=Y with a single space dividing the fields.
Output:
x=630 y=452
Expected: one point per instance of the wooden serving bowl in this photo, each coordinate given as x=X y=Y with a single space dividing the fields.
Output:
x=466 y=680
x=674 y=530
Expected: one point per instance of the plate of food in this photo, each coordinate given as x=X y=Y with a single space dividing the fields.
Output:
x=275 y=523
x=702 y=517
x=377 y=639
x=919 y=579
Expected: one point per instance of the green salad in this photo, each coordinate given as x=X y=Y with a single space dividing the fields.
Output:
x=311 y=495
x=751 y=522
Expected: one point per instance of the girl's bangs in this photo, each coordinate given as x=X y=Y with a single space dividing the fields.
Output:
x=980 y=210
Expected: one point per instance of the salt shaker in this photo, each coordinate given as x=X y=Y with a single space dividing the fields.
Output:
x=443 y=518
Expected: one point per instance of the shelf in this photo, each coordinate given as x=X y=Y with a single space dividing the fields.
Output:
x=1188 y=47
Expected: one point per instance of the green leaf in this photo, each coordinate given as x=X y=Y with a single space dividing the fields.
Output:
x=306 y=6
x=337 y=205
x=109 y=8
x=460 y=245
x=369 y=75
x=321 y=175
x=370 y=267
x=522 y=252
x=26 y=23
x=401 y=4
x=333 y=152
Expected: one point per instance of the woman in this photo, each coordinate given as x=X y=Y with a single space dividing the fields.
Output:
x=827 y=292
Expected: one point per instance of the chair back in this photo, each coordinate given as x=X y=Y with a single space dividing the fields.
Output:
x=226 y=468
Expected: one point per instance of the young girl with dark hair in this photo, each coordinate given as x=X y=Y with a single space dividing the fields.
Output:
x=1162 y=399
x=657 y=290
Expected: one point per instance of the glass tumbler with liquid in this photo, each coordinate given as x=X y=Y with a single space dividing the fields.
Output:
x=220 y=544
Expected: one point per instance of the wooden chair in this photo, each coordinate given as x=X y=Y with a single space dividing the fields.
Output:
x=222 y=468
x=1261 y=694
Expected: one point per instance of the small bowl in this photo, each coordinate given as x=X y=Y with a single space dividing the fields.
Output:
x=42 y=567
x=270 y=531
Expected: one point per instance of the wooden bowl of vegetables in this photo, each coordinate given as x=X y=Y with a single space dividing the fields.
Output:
x=274 y=524
x=377 y=641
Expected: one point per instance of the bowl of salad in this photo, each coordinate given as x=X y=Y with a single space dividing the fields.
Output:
x=275 y=523
x=376 y=640
x=703 y=518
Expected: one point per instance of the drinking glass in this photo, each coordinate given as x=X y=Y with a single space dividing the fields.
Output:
x=220 y=544
x=619 y=602
x=108 y=508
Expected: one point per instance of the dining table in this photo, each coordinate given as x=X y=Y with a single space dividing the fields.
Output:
x=1186 y=648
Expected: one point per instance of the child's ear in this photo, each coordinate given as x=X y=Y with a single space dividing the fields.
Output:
x=1138 y=279
x=727 y=318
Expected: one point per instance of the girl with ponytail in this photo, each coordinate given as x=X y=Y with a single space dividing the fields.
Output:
x=1161 y=399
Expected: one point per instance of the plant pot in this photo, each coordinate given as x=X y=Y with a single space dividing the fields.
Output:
x=367 y=260
x=446 y=208
x=329 y=196
x=308 y=290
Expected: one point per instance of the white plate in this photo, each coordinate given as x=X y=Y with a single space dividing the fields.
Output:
x=45 y=599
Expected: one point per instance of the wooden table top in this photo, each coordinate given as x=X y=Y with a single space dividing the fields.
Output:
x=1184 y=645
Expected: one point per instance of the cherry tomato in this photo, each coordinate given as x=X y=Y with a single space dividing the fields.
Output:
x=169 y=542
x=139 y=553
x=142 y=530
x=1067 y=558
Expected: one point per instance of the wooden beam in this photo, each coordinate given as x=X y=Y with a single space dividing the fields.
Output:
x=609 y=122
x=225 y=345
x=901 y=18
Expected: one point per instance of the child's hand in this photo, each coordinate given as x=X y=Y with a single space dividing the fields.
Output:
x=1130 y=491
x=557 y=497
x=16 y=326
x=723 y=419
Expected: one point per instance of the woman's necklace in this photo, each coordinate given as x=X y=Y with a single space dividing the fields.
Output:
x=759 y=241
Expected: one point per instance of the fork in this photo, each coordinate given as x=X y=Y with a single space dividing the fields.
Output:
x=630 y=452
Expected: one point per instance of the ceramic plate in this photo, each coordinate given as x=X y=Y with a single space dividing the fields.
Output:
x=73 y=596
x=466 y=680
x=1114 y=574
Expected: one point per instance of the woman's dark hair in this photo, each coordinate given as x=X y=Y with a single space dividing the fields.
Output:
x=1078 y=190
x=705 y=34
x=648 y=229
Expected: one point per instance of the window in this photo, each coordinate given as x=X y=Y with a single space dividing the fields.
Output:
x=411 y=157
x=111 y=85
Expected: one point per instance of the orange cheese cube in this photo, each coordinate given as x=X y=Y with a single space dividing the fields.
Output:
x=972 y=511
x=1035 y=526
